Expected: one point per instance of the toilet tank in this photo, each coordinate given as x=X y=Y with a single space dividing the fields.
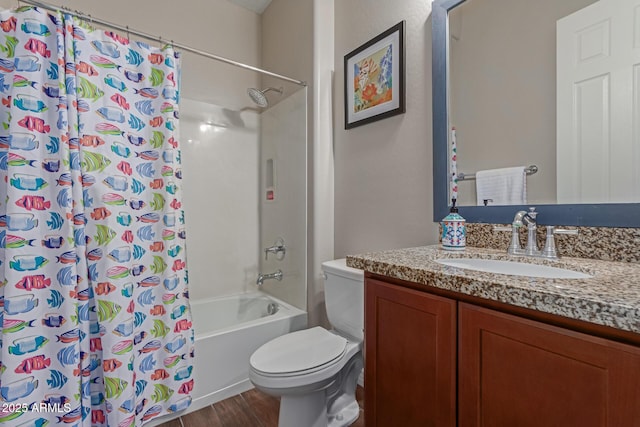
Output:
x=344 y=297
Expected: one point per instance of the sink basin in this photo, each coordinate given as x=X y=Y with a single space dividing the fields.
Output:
x=513 y=268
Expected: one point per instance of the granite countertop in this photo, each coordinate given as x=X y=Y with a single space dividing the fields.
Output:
x=611 y=297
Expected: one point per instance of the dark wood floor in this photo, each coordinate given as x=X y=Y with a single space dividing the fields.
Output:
x=249 y=409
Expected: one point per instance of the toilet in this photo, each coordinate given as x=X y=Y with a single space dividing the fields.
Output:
x=315 y=371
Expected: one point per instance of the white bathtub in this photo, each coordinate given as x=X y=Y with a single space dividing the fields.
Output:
x=227 y=331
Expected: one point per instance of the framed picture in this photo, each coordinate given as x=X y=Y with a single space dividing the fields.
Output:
x=374 y=85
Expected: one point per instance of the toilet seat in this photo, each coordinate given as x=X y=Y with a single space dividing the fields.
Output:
x=298 y=353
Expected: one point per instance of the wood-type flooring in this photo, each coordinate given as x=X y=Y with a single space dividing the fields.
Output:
x=249 y=409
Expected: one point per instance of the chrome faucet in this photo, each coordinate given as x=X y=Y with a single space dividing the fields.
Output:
x=262 y=277
x=520 y=219
x=529 y=219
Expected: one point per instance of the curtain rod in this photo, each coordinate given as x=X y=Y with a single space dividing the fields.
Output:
x=186 y=48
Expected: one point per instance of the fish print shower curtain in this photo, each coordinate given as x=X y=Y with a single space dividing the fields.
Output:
x=96 y=326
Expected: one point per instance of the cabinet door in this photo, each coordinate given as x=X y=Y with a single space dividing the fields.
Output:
x=410 y=350
x=518 y=372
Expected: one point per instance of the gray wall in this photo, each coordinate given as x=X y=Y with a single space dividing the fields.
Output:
x=287 y=42
x=383 y=170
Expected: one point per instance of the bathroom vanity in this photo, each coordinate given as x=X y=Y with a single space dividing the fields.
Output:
x=447 y=346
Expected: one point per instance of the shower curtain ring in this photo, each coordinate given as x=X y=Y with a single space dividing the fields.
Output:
x=128 y=35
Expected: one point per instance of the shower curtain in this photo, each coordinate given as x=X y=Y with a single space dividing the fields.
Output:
x=96 y=326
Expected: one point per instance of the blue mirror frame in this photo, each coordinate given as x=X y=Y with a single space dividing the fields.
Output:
x=593 y=215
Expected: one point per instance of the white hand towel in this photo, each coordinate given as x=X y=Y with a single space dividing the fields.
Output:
x=507 y=186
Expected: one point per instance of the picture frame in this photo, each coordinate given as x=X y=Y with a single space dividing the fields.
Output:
x=374 y=78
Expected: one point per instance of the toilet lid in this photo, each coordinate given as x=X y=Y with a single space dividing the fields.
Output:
x=298 y=351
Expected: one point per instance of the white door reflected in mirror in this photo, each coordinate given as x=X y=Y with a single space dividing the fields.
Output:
x=598 y=148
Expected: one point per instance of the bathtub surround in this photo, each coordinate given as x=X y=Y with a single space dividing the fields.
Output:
x=223 y=222
x=603 y=243
x=283 y=134
x=93 y=225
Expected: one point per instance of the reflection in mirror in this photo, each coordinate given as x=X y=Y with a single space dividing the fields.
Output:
x=511 y=121
x=546 y=83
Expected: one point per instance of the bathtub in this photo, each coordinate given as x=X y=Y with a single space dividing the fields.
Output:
x=227 y=331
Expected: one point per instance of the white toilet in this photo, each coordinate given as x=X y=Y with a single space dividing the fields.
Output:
x=315 y=371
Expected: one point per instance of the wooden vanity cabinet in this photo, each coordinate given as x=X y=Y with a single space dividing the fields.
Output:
x=410 y=356
x=519 y=372
x=509 y=370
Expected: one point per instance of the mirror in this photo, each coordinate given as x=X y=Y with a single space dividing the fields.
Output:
x=500 y=94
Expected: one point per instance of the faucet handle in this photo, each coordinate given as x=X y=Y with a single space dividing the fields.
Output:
x=514 y=246
x=566 y=231
x=549 y=250
x=532 y=212
x=278 y=249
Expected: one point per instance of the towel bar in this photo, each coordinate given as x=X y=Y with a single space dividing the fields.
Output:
x=468 y=176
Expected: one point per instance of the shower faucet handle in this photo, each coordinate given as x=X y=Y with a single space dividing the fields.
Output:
x=278 y=248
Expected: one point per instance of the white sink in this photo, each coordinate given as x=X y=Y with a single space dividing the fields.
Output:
x=513 y=268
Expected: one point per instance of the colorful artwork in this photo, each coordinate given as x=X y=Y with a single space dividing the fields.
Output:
x=96 y=326
x=374 y=79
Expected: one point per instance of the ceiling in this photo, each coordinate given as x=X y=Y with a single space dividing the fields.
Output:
x=257 y=6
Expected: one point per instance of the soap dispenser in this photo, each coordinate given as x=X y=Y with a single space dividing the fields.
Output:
x=454 y=232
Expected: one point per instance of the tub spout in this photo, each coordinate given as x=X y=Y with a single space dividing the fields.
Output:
x=262 y=277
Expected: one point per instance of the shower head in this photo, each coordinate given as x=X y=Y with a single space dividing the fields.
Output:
x=258 y=95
